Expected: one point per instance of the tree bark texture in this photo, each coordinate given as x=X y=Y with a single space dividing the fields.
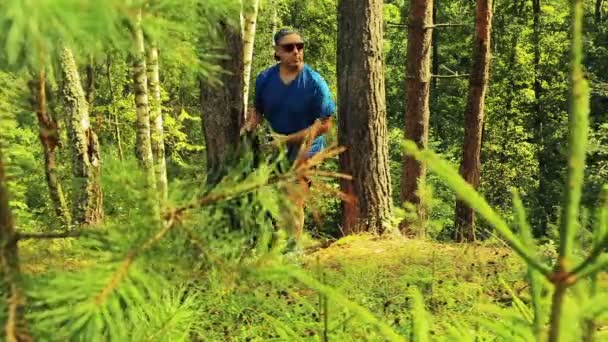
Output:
x=362 y=116
x=250 y=17
x=140 y=81
x=470 y=168
x=48 y=131
x=87 y=206
x=222 y=107
x=417 y=114
x=156 y=124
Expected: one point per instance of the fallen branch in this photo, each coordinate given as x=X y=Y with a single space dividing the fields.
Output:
x=41 y=236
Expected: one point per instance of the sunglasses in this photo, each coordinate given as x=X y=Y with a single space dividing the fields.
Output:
x=292 y=46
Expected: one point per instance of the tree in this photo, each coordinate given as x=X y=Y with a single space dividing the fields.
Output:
x=418 y=82
x=470 y=168
x=9 y=267
x=222 y=105
x=362 y=116
x=49 y=137
x=598 y=11
x=86 y=160
x=156 y=124
x=250 y=16
x=140 y=82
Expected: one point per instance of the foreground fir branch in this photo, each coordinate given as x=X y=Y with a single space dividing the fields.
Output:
x=565 y=275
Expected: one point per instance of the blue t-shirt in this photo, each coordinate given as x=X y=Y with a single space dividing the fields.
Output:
x=293 y=107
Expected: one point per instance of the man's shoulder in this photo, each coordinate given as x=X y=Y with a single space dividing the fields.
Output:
x=267 y=72
x=314 y=76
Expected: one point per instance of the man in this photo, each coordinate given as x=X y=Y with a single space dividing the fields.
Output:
x=293 y=98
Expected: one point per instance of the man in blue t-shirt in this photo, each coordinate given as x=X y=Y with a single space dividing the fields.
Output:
x=292 y=97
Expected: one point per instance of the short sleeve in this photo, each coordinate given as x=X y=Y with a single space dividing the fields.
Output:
x=324 y=105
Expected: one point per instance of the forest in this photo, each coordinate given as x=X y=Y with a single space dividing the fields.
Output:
x=420 y=170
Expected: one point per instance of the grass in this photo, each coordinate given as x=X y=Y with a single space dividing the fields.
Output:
x=461 y=284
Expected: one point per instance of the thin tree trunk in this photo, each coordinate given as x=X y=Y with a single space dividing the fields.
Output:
x=14 y=327
x=113 y=113
x=418 y=82
x=140 y=82
x=544 y=195
x=222 y=107
x=598 y=11
x=49 y=137
x=470 y=168
x=250 y=17
x=86 y=161
x=362 y=116
x=156 y=125
x=435 y=55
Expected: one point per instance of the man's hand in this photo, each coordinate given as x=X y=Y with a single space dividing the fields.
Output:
x=252 y=121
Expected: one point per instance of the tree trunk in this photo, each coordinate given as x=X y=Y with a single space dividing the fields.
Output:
x=156 y=125
x=362 y=116
x=222 y=107
x=14 y=327
x=418 y=81
x=90 y=94
x=435 y=55
x=598 y=11
x=86 y=161
x=49 y=137
x=140 y=81
x=470 y=168
x=544 y=196
x=113 y=114
x=250 y=17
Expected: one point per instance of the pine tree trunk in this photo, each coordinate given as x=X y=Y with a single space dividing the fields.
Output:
x=14 y=326
x=362 y=116
x=86 y=161
x=470 y=168
x=250 y=17
x=222 y=107
x=598 y=11
x=418 y=82
x=49 y=137
x=156 y=124
x=140 y=81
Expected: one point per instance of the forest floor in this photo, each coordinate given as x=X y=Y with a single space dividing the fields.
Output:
x=463 y=285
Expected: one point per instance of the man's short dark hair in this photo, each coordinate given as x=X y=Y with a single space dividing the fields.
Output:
x=282 y=33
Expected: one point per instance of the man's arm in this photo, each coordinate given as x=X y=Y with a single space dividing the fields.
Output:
x=252 y=121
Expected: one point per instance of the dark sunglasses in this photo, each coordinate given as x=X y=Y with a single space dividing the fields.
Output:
x=292 y=46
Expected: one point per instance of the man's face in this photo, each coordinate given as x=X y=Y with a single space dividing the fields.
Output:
x=290 y=50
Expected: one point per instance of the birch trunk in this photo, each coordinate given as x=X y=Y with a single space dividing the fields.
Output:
x=156 y=124
x=250 y=16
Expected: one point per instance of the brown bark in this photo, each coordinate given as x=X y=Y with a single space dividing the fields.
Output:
x=222 y=107
x=418 y=81
x=14 y=327
x=48 y=131
x=87 y=206
x=156 y=124
x=362 y=116
x=140 y=81
x=470 y=167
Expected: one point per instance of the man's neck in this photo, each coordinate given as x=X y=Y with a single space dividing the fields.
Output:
x=289 y=70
